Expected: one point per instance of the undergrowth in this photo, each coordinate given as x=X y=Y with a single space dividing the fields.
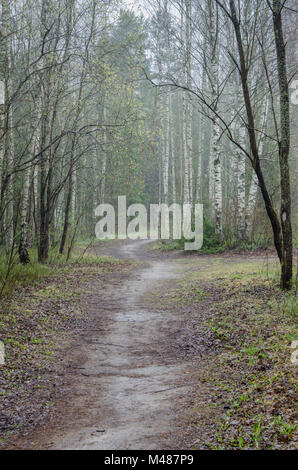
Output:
x=23 y=275
x=246 y=383
x=212 y=244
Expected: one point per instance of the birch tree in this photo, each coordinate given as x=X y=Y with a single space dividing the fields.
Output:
x=8 y=137
x=282 y=231
x=253 y=187
x=185 y=37
x=215 y=183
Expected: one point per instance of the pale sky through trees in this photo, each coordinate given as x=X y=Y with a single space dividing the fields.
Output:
x=148 y=226
x=176 y=133
x=137 y=6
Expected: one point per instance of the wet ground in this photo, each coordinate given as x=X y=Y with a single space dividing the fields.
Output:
x=124 y=391
x=160 y=353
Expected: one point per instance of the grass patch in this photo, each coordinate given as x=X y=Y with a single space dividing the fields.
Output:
x=23 y=275
x=41 y=312
x=254 y=326
x=245 y=397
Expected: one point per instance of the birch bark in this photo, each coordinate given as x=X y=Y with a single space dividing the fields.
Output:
x=7 y=150
x=215 y=164
x=29 y=173
x=241 y=183
x=186 y=106
x=253 y=188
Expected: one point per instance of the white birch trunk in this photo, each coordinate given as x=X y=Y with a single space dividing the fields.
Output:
x=201 y=145
x=215 y=164
x=186 y=107
x=167 y=112
x=253 y=189
x=30 y=174
x=241 y=183
x=35 y=195
x=186 y=194
x=74 y=192
x=24 y=220
x=251 y=203
x=8 y=144
x=104 y=159
x=2 y=124
x=190 y=151
x=166 y=156
x=104 y=133
x=217 y=180
x=189 y=136
x=173 y=167
x=233 y=180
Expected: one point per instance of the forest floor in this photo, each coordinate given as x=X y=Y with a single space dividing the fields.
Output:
x=151 y=350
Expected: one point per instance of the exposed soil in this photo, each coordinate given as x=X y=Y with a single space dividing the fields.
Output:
x=144 y=371
x=124 y=387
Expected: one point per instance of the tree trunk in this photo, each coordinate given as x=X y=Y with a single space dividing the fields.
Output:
x=284 y=149
x=8 y=142
x=23 y=245
x=215 y=183
x=167 y=132
x=186 y=106
x=23 y=248
x=173 y=162
x=104 y=158
x=271 y=212
x=67 y=210
x=241 y=183
x=70 y=194
x=253 y=188
x=201 y=143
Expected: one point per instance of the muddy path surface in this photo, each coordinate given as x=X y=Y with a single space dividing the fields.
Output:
x=125 y=388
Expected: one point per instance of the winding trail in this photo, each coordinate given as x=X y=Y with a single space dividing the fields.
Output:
x=127 y=391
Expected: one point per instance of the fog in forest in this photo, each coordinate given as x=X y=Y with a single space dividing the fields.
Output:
x=167 y=103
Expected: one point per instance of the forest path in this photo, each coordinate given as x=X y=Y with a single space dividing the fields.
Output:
x=127 y=390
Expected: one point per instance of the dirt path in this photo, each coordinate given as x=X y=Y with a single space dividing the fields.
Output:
x=127 y=390
x=168 y=351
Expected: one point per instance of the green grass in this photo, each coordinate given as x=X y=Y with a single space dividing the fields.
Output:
x=249 y=378
x=256 y=328
x=24 y=275
x=40 y=314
